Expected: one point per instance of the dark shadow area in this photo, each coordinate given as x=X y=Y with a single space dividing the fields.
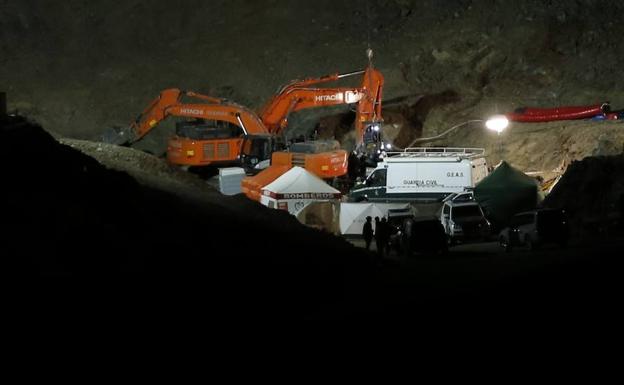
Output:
x=67 y=216
x=336 y=126
x=402 y=111
x=78 y=237
x=592 y=193
x=411 y=117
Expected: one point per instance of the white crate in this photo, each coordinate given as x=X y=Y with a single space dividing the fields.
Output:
x=230 y=180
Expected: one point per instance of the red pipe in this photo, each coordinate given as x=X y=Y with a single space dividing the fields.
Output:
x=531 y=114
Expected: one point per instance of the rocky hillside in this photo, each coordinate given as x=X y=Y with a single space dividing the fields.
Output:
x=83 y=67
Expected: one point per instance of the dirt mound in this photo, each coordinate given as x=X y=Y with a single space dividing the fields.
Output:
x=592 y=192
x=147 y=169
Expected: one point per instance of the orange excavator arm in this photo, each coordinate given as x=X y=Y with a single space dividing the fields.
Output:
x=368 y=113
x=299 y=95
x=169 y=103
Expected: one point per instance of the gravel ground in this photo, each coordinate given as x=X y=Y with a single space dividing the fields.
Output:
x=147 y=169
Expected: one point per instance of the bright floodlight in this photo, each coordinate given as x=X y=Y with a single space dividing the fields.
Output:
x=376 y=127
x=388 y=146
x=497 y=123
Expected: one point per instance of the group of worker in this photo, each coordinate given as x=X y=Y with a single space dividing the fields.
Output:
x=381 y=234
x=356 y=166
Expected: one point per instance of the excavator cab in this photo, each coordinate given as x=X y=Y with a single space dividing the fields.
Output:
x=256 y=152
x=206 y=129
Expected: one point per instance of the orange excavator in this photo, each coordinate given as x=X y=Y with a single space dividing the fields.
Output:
x=223 y=132
x=317 y=157
x=215 y=135
x=298 y=95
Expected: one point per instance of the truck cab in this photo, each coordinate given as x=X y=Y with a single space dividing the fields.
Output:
x=535 y=228
x=373 y=188
x=464 y=222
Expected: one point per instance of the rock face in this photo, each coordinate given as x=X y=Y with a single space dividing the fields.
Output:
x=84 y=67
x=592 y=192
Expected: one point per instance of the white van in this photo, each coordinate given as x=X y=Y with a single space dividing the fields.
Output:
x=422 y=174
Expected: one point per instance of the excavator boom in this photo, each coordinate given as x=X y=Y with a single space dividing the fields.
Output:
x=299 y=95
x=169 y=103
x=368 y=114
x=154 y=113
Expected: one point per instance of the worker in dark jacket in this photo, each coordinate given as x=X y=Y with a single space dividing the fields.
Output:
x=353 y=166
x=362 y=167
x=379 y=230
x=385 y=236
x=367 y=232
x=380 y=236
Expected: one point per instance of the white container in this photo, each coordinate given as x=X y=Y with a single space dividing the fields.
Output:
x=230 y=179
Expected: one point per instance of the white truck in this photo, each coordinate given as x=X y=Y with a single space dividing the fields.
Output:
x=464 y=222
x=422 y=174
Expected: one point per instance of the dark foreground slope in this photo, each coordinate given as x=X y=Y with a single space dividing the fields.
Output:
x=121 y=247
x=66 y=215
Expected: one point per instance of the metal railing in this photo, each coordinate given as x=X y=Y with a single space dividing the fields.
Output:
x=467 y=152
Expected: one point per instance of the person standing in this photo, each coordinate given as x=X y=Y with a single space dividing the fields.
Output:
x=407 y=237
x=385 y=236
x=378 y=236
x=353 y=166
x=3 y=104
x=362 y=167
x=367 y=232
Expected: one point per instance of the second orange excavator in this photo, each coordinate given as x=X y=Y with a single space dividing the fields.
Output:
x=299 y=95
x=321 y=158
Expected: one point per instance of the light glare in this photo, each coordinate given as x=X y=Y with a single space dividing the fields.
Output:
x=497 y=123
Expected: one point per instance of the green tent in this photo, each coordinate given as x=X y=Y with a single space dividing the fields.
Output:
x=505 y=192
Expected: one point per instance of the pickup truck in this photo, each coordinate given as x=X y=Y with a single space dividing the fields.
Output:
x=464 y=222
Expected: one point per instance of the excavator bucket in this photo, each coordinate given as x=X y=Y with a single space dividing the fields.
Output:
x=117 y=135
